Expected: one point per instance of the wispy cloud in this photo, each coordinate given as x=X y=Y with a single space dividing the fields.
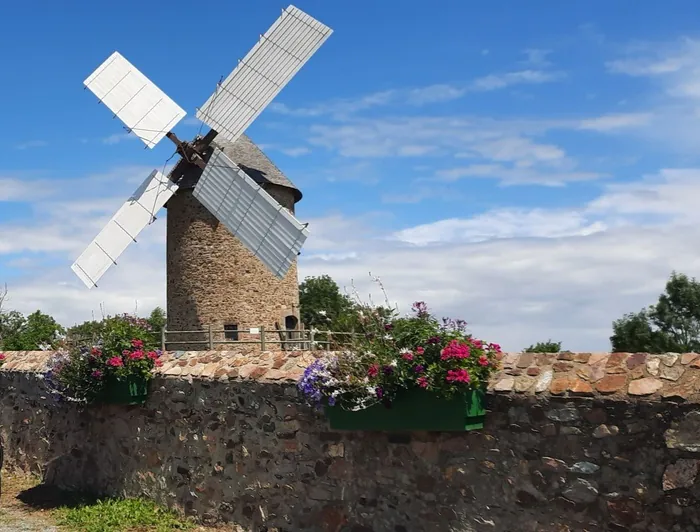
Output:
x=430 y=94
x=31 y=144
x=296 y=152
x=616 y=121
x=118 y=137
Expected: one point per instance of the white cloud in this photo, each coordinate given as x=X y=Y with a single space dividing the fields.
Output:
x=15 y=189
x=502 y=223
x=31 y=144
x=296 y=152
x=508 y=79
x=118 y=137
x=616 y=121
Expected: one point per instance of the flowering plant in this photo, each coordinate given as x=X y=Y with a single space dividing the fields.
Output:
x=126 y=349
x=391 y=354
x=2 y=359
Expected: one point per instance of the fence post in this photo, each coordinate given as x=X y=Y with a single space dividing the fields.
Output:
x=162 y=339
x=211 y=338
x=312 y=346
x=262 y=338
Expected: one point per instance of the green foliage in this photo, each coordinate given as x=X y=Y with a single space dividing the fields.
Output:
x=322 y=305
x=157 y=319
x=36 y=331
x=544 y=347
x=121 y=515
x=115 y=333
x=672 y=324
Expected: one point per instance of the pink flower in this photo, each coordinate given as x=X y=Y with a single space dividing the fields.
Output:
x=483 y=360
x=420 y=350
x=95 y=352
x=457 y=375
x=407 y=356
x=477 y=343
x=373 y=370
x=158 y=362
x=422 y=382
x=126 y=352
x=115 y=362
x=152 y=355
x=136 y=355
x=137 y=343
x=3 y=356
x=97 y=374
x=455 y=349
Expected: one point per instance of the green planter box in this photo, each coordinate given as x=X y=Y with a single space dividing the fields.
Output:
x=128 y=391
x=415 y=409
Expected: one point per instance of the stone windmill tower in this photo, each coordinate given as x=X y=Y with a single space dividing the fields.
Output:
x=213 y=279
x=232 y=238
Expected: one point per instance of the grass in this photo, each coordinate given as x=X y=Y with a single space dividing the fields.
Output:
x=121 y=515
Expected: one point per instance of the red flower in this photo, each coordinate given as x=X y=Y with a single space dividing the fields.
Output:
x=152 y=355
x=457 y=375
x=136 y=355
x=373 y=370
x=407 y=356
x=455 y=349
x=115 y=362
x=137 y=343
x=95 y=352
x=483 y=360
x=420 y=350
x=158 y=362
x=97 y=374
x=3 y=356
x=422 y=382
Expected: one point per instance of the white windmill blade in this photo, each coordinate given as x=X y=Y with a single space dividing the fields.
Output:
x=138 y=212
x=145 y=109
x=266 y=228
x=262 y=74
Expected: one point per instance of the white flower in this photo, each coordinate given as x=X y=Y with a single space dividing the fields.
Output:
x=314 y=330
x=404 y=351
x=393 y=363
x=388 y=337
x=322 y=312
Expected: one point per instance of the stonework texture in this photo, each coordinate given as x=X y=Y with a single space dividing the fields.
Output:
x=573 y=442
x=212 y=279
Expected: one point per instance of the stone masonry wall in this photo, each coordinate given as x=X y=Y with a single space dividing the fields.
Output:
x=572 y=442
x=212 y=279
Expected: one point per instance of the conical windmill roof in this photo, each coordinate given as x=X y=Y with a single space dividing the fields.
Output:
x=252 y=160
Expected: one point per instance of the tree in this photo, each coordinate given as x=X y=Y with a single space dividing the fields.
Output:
x=673 y=324
x=544 y=347
x=323 y=306
x=36 y=331
x=157 y=319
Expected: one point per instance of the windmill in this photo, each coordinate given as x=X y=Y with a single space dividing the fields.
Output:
x=231 y=208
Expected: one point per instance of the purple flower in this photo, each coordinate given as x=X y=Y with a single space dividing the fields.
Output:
x=379 y=392
x=419 y=369
x=434 y=340
x=388 y=370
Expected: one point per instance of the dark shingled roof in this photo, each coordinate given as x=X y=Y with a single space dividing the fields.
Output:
x=246 y=154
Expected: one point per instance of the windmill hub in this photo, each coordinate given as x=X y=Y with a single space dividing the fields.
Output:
x=235 y=187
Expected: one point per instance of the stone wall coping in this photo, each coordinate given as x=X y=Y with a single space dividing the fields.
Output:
x=670 y=376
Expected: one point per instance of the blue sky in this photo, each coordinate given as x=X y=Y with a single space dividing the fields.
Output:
x=530 y=167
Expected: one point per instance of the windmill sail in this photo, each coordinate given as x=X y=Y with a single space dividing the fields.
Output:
x=138 y=212
x=145 y=109
x=266 y=228
x=263 y=73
